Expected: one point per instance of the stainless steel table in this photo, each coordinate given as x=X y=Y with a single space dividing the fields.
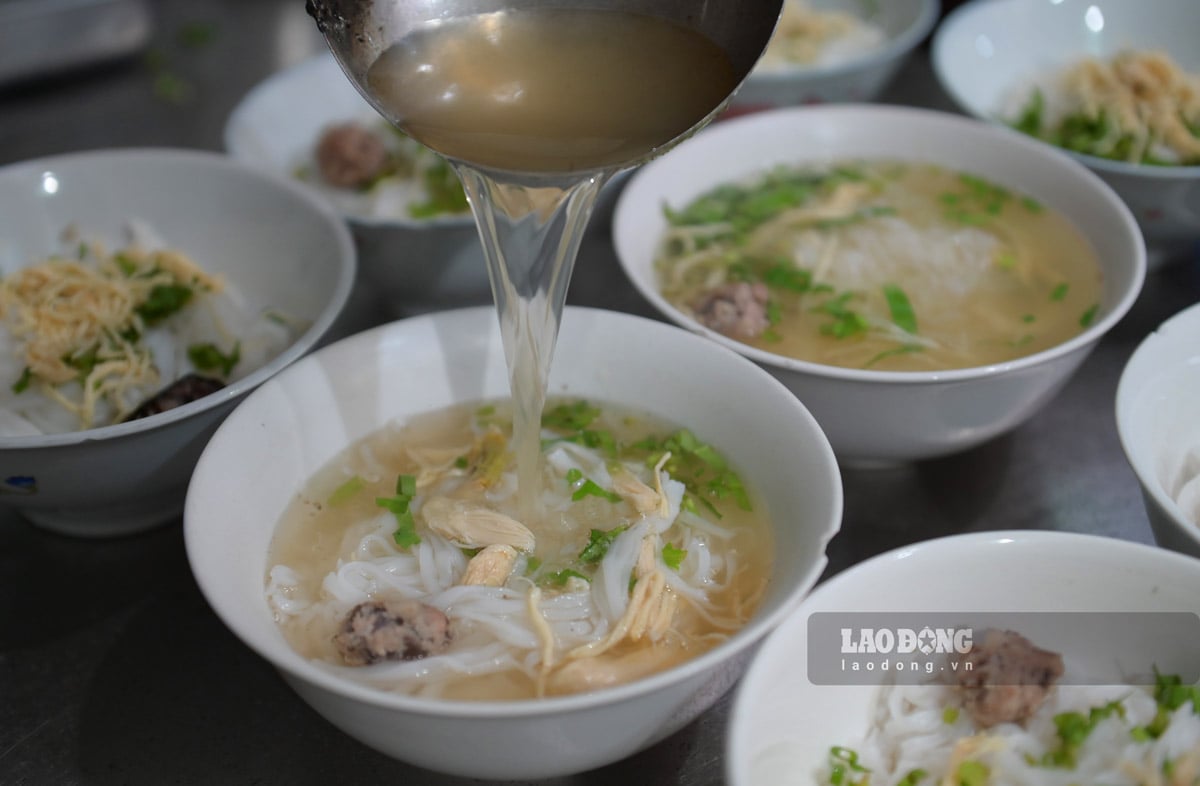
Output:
x=113 y=670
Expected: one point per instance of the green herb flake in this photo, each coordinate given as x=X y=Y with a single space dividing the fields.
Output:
x=949 y=715
x=23 y=381
x=1060 y=292
x=461 y=462
x=843 y=764
x=570 y=417
x=901 y=308
x=673 y=556
x=598 y=542
x=163 y=301
x=1089 y=316
x=971 y=773
x=913 y=777
x=209 y=357
x=406 y=527
x=560 y=578
x=589 y=488
x=346 y=491
x=844 y=321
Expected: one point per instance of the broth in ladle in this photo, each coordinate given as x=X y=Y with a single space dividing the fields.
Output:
x=536 y=109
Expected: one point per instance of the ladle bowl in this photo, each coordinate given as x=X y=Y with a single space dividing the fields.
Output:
x=359 y=31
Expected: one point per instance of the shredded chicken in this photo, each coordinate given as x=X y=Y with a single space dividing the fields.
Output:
x=475 y=526
x=491 y=566
x=651 y=608
x=1145 y=94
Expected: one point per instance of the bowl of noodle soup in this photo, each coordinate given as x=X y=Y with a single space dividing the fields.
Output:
x=888 y=265
x=142 y=294
x=1116 y=85
x=1114 y=620
x=425 y=397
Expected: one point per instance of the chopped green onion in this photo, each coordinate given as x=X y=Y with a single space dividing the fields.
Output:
x=406 y=527
x=1060 y=291
x=22 y=383
x=673 y=556
x=901 y=308
x=345 y=491
x=208 y=357
x=971 y=773
x=163 y=301
x=598 y=543
x=949 y=715
x=1089 y=316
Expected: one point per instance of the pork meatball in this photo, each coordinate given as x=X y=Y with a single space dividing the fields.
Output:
x=350 y=156
x=392 y=630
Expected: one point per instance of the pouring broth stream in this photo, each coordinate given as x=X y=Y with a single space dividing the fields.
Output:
x=536 y=109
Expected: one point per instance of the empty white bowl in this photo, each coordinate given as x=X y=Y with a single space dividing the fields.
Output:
x=849 y=75
x=1158 y=421
x=883 y=416
x=987 y=51
x=797 y=701
x=275 y=244
x=301 y=419
x=412 y=264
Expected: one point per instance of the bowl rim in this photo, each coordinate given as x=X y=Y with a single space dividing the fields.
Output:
x=940 y=61
x=298 y=347
x=301 y=72
x=894 y=46
x=1129 y=387
x=878 y=116
x=1050 y=541
x=293 y=665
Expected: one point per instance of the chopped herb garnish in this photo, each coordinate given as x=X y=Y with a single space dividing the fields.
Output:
x=570 y=417
x=903 y=349
x=949 y=715
x=585 y=487
x=843 y=763
x=845 y=322
x=901 y=308
x=22 y=383
x=163 y=301
x=208 y=357
x=971 y=773
x=912 y=778
x=560 y=578
x=598 y=543
x=347 y=490
x=406 y=527
x=1073 y=729
x=1060 y=291
x=1089 y=316
x=673 y=556
x=462 y=462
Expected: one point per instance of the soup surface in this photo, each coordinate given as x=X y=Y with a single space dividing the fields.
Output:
x=882 y=265
x=649 y=550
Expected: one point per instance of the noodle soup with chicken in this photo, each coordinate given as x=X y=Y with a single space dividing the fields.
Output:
x=876 y=264
x=405 y=564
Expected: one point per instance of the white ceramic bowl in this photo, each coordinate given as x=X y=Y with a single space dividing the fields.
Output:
x=1158 y=420
x=414 y=264
x=298 y=421
x=275 y=243
x=783 y=723
x=904 y=23
x=881 y=416
x=985 y=50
